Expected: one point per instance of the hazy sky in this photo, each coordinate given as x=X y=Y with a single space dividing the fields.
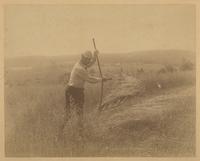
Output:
x=69 y=29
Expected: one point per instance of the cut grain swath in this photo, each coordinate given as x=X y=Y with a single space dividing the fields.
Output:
x=128 y=88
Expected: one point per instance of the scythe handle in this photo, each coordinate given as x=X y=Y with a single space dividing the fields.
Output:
x=101 y=94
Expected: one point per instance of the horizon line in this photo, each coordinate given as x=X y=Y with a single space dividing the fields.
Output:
x=104 y=53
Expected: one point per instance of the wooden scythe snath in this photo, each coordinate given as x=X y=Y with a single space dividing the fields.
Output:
x=101 y=92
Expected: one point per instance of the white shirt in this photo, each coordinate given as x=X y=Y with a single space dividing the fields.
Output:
x=78 y=76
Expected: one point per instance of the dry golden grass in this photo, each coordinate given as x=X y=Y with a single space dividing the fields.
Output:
x=34 y=111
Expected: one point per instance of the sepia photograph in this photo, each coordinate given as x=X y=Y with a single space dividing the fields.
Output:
x=100 y=80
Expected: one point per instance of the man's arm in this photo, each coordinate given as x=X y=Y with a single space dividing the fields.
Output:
x=83 y=74
x=92 y=79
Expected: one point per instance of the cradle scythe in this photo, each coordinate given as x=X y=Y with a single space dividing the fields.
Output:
x=101 y=92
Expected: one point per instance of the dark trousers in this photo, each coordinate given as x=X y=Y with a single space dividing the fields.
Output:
x=74 y=101
x=74 y=97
